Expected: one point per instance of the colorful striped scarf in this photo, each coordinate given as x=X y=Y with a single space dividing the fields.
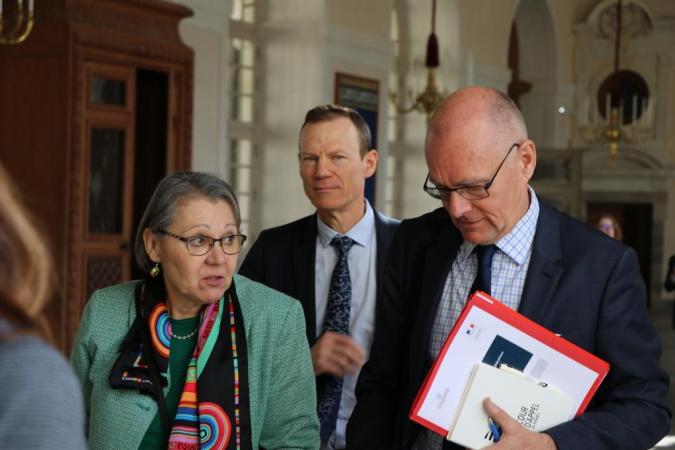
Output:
x=213 y=410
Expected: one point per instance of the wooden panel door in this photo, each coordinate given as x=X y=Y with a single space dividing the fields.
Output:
x=107 y=189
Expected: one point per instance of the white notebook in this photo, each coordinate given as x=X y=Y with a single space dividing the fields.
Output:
x=535 y=405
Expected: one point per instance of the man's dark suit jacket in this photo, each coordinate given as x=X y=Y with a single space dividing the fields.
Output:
x=580 y=284
x=283 y=259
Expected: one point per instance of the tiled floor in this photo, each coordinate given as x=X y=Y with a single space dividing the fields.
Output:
x=662 y=315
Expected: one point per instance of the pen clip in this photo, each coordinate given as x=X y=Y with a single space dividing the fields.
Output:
x=494 y=429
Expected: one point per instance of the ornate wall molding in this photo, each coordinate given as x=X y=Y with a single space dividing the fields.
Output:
x=637 y=19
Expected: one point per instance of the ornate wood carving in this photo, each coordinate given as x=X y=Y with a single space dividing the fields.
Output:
x=132 y=33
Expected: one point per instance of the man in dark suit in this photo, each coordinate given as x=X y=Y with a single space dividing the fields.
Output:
x=300 y=260
x=552 y=268
x=669 y=284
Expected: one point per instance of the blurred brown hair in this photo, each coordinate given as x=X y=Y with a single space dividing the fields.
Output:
x=25 y=263
x=615 y=224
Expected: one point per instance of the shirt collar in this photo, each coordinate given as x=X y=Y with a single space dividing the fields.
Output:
x=516 y=243
x=361 y=232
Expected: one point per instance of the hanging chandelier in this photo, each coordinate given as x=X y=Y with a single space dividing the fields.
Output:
x=16 y=21
x=623 y=102
x=428 y=100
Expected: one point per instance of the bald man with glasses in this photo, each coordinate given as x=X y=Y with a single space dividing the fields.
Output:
x=494 y=234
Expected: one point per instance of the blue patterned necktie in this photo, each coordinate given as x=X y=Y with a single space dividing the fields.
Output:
x=329 y=388
x=483 y=281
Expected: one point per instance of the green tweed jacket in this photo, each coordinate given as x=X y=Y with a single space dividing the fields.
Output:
x=281 y=380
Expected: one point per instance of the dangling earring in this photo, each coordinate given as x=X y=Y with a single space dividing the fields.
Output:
x=154 y=271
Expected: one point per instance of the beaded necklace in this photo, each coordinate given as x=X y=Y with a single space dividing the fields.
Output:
x=187 y=336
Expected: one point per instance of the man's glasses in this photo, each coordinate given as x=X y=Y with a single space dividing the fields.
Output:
x=199 y=245
x=474 y=192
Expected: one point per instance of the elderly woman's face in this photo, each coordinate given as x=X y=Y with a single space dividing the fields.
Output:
x=192 y=281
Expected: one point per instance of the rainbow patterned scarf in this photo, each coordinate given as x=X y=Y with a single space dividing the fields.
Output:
x=213 y=410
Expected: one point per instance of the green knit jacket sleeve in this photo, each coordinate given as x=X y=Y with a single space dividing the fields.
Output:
x=115 y=418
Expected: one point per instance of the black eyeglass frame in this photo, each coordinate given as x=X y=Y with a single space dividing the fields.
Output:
x=444 y=192
x=186 y=239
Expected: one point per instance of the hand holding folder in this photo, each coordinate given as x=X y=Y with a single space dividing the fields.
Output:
x=513 y=434
x=534 y=405
x=489 y=332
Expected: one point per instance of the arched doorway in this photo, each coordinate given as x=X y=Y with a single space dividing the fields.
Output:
x=533 y=62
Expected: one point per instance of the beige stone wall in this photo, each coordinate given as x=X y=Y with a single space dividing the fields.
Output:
x=485 y=29
x=208 y=120
x=661 y=8
x=371 y=17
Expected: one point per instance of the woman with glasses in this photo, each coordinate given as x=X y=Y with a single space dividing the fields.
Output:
x=194 y=356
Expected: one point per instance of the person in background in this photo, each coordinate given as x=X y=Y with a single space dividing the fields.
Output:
x=333 y=260
x=669 y=283
x=41 y=406
x=493 y=232
x=193 y=356
x=609 y=225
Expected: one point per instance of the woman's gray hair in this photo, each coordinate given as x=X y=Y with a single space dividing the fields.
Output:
x=173 y=189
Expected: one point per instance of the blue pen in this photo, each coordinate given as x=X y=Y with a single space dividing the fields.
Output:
x=494 y=429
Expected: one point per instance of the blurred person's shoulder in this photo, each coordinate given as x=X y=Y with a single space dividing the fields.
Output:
x=21 y=353
x=35 y=373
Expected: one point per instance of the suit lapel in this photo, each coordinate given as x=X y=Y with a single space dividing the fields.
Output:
x=437 y=263
x=384 y=235
x=443 y=243
x=303 y=274
x=544 y=271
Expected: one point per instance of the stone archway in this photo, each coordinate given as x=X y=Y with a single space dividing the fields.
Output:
x=538 y=65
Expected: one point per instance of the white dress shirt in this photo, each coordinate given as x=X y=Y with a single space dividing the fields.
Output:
x=362 y=260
